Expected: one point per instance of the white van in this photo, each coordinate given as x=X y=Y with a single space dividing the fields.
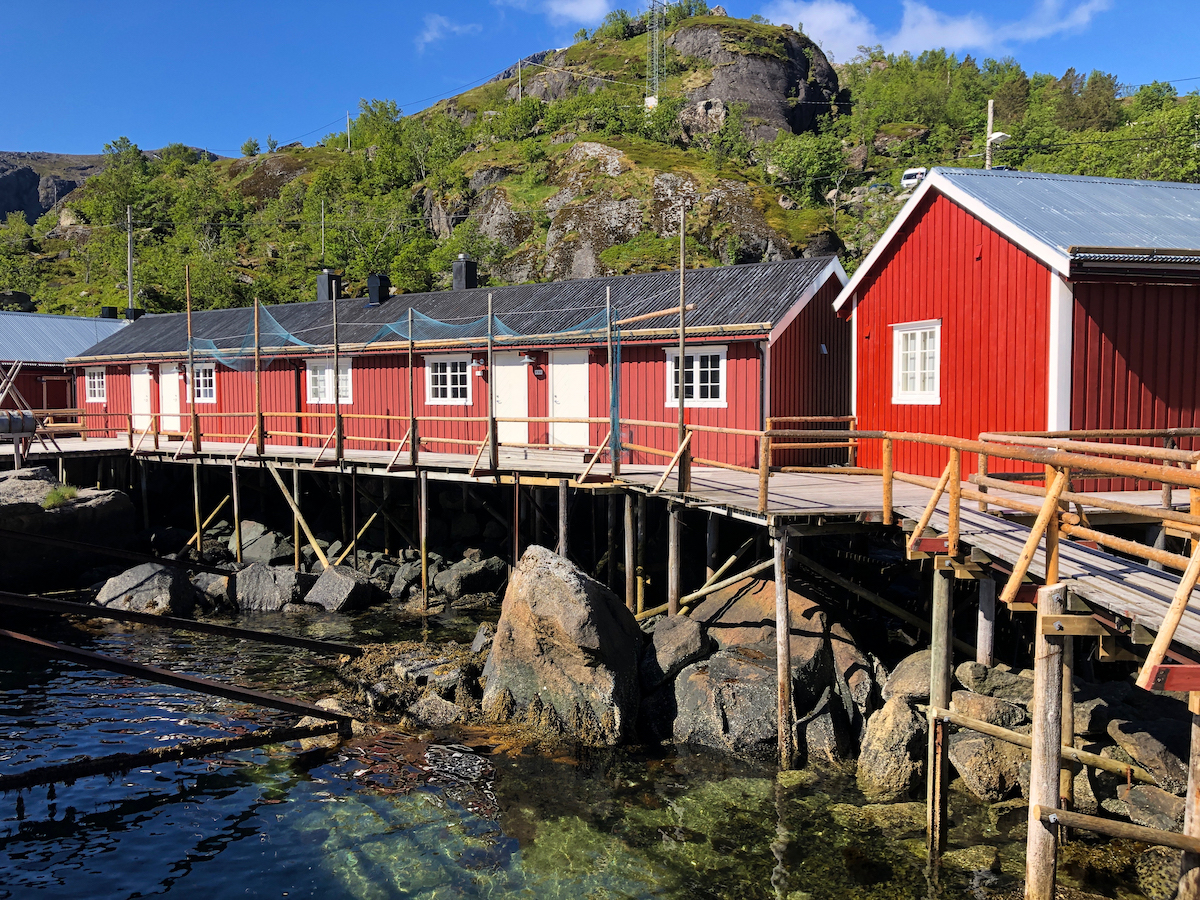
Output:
x=912 y=177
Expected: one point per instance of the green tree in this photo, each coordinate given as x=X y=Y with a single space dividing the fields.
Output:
x=272 y=144
x=250 y=148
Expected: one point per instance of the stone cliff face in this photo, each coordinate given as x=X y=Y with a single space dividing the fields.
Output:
x=30 y=183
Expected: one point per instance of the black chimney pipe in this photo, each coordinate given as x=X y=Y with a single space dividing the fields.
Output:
x=465 y=273
x=329 y=285
x=378 y=289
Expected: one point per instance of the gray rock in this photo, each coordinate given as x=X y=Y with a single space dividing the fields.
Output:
x=469 y=577
x=854 y=681
x=565 y=655
x=263 y=588
x=150 y=588
x=824 y=732
x=989 y=709
x=484 y=635
x=406 y=576
x=433 y=710
x=341 y=588
x=218 y=589
x=910 y=678
x=995 y=682
x=728 y=702
x=1161 y=747
x=678 y=641
x=991 y=769
x=892 y=760
x=1153 y=807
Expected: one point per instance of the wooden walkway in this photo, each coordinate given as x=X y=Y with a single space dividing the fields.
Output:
x=1128 y=591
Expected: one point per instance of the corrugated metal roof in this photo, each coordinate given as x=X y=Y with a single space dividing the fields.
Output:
x=1067 y=211
x=41 y=338
x=728 y=295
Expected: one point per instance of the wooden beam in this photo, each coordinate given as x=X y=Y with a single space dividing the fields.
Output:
x=1052 y=818
x=1041 y=845
x=941 y=665
x=1189 y=869
x=783 y=650
x=312 y=541
x=985 y=632
x=1166 y=631
x=1049 y=508
x=1175 y=678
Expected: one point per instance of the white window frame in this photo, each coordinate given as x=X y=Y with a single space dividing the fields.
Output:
x=721 y=402
x=323 y=368
x=206 y=383
x=91 y=378
x=448 y=360
x=916 y=396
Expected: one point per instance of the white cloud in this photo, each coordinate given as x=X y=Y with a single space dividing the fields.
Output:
x=438 y=27
x=841 y=28
x=562 y=12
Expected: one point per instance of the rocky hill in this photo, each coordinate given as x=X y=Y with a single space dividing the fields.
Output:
x=31 y=183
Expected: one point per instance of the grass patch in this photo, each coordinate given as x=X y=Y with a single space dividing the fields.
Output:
x=649 y=253
x=798 y=225
x=60 y=495
x=523 y=195
x=743 y=36
x=485 y=97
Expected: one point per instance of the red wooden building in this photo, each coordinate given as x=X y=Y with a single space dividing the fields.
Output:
x=763 y=340
x=42 y=344
x=1017 y=301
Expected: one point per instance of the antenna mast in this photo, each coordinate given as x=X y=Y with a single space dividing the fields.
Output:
x=656 y=25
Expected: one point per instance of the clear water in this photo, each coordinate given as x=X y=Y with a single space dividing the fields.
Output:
x=390 y=816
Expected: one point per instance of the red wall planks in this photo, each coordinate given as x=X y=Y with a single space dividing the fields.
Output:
x=807 y=382
x=1134 y=358
x=993 y=301
x=55 y=394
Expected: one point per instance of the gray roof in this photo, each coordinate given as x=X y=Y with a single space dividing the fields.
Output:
x=1073 y=211
x=729 y=295
x=41 y=338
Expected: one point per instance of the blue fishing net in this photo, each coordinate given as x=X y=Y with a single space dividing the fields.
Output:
x=271 y=335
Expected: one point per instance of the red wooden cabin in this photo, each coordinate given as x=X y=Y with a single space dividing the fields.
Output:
x=42 y=344
x=763 y=341
x=1018 y=301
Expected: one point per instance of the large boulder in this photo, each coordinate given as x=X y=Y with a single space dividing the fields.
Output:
x=263 y=588
x=341 y=588
x=150 y=588
x=910 y=678
x=565 y=656
x=728 y=702
x=892 y=760
x=856 y=684
x=677 y=641
x=470 y=577
x=1161 y=747
x=991 y=769
x=989 y=709
x=261 y=545
x=995 y=682
x=1153 y=807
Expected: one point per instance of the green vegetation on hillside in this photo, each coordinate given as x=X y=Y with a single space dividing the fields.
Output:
x=405 y=201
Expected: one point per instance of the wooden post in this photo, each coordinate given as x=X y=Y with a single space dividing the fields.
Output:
x=1194 y=508
x=612 y=541
x=260 y=435
x=712 y=545
x=296 y=516
x=1189 y=875
x=941 y=664
x=985 y=639
x=339 y=433
x=196 y=506
x=1041 y=842
x=563 y=517
x=423 y=527
x=414 y=438
x=783 y=649
x=1066 y=775
x=614 y=397
x=641 y=552
x=1052 y=550
x=889 y=515
x=685 y=459
x=237 y=510
x=387 y=520
x=674 y=574
x=983 y=471
x=516 y=519
x=764 y=472
x=354 y=511
x=191 y=363
x=493 y=450
x=631 y=592
x=952 y=530
x=142 y=482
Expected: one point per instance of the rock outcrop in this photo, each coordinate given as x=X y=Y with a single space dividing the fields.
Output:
x=263 y=588
x=565 y=656
x=150 y=588
x=891 y=762
x=340 y=589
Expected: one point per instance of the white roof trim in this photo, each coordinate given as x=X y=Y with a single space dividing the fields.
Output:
x=1053 y=257
x=814 y=287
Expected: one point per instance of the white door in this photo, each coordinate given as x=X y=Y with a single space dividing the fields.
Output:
x=512 y=397
x=168 y=396
x=569 y=396
x=139 y=387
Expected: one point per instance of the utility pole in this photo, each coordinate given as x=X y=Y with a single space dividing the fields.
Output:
x=348 y=147
x=987 y=150
x=129 y=253
x=518 y=81
x=322 y=231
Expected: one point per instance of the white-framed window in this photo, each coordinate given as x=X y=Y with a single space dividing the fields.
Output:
x=448 y=380
x=97 y=387
x=916 y=362
x=320 y=381
x=205 y=383
x=704 y=381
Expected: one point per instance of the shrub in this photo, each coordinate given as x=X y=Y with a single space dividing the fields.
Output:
x=250 y=148
x=60 y=495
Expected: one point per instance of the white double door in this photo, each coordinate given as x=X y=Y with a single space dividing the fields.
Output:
x=140 y=385
x=168 y=396
x=569 y=397
x=511 y=387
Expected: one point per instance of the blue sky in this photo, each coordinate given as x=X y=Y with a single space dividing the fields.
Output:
x=215 y=73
